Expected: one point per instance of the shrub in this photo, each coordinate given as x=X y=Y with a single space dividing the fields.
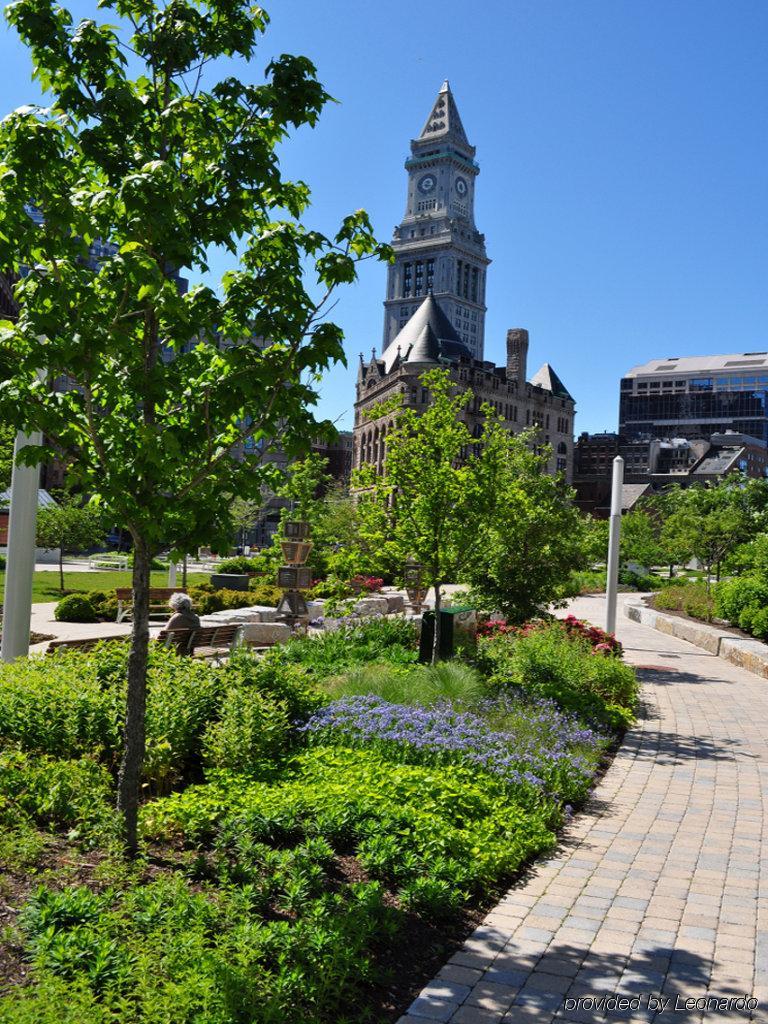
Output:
x=548 y=662
x=742 y=601
x=332 y=587
x=71 y=793
x=597 y=638
x=691 y=598
x=75 y=608
x=403 y=821
x=252 y=729
x=205 y=602
x=239 y=564
x=261 y=592
x=274 y=675
x=72 y=706
x=368 y=584
x=390 y=639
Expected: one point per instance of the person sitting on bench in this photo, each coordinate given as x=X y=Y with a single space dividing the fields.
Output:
x=183 y=617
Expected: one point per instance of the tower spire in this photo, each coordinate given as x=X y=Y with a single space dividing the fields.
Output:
x=444 y=122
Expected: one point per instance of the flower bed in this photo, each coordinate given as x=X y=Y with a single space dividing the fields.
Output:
x=306 y=817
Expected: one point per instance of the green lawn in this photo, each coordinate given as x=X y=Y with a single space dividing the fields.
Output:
x=46 y=584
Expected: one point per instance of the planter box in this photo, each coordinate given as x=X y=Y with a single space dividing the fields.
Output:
x=230 y=581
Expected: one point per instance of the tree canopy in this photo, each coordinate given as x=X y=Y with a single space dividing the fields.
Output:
x=144 y=154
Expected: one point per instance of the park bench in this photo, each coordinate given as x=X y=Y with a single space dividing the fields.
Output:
x=119 y=562
x=206 y=642
x=85 y=644
x=158 y=602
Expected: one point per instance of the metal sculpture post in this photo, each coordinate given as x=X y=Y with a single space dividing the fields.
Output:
x=612 y=574
x=20 y=563
x=295 y=576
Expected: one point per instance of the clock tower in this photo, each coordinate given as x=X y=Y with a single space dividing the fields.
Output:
x=437 y=247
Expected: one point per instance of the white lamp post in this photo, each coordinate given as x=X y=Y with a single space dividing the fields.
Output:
x=612 y=575
x=20 y=564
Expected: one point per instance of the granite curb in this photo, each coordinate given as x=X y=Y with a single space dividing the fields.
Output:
x=749 y=654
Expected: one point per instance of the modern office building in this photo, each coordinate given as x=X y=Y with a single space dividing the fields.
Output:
x=696 y=396
x=438 y=248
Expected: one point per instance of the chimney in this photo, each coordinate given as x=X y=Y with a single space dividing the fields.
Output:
x=517 y=354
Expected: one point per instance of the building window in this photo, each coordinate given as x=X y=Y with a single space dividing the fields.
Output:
x=459 y=265
x=474 y=284
x=430 y=274
x=465 y=293
x=419 y=281
x=407 y=280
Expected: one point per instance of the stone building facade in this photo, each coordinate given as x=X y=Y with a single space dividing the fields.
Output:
x=429 y=340
x=437 y=246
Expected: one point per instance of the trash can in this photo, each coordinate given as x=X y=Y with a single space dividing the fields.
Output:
x=458 y=628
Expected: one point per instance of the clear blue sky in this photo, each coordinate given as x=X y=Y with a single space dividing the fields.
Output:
x=624 y=167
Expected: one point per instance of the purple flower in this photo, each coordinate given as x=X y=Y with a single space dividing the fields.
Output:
x=536 y=744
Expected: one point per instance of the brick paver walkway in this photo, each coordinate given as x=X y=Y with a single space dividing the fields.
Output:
x=659 y=890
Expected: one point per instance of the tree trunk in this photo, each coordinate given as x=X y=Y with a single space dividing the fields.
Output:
x=437 y=635
x=134 y=740
x=61 y=569
x=184 y=573
x=671 y=570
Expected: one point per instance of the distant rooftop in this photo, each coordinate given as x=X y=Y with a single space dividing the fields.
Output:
x=701 y=364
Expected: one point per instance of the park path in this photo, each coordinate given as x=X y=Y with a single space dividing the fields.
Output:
x=659 y=888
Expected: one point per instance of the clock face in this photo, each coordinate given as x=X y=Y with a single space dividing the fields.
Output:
x=427 y=183
x=461 y=186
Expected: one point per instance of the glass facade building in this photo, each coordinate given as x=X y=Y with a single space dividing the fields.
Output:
x=696 y=397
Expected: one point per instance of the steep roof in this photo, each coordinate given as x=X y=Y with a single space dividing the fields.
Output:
x=427 y=337
x=547 y=378
x=444 y=122
x=44 y=499
x=631 y=494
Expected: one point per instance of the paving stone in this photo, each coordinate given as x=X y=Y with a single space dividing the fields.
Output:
x=433 y=1009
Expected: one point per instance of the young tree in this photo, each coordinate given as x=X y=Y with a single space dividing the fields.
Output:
x=136 y=148
x=535 y=538
x=68 y=527
x=707 y=523
x=640 y=539
x=437 y=490
x=245 y=514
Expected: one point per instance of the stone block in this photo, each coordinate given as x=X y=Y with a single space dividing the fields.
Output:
x=395 y=603
x=749 y=654
x=371 y=606
x=264 y=634
x=265 y=611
